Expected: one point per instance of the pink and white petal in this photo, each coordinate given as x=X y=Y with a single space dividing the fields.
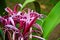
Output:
x=22 y=38
x=16 y=7
x=30 y=25
x=9 y=11
x=0 y=16
x=31 y=11
x=28 y=16
x=14 y=35
x=38 y=26
x=6 y=16
x=36 y=31
x=11 y=27
x=12 y=21
x=19 y=13
x=38 y=37
x=20 y=5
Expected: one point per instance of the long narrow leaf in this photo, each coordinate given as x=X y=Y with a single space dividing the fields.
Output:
x=51 y=21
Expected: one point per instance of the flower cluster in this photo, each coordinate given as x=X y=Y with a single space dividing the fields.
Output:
x=26 y=21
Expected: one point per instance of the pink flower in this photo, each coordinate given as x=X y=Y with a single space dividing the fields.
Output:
x=25 y=19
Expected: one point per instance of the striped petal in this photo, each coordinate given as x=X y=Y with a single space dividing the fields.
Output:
x=9 y=11
x=16 y=7
x=11 y=27
x=38 y=27
x=12 y=21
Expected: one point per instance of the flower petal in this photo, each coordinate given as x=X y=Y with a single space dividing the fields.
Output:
x=30 y=25
x=11 y=27
x=38 y=27
x=38 y=37
x=12 y=21
x=16 y=7
x=9 y=10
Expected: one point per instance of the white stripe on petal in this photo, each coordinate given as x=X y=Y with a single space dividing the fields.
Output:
x=13 y=35
x=9 y=10
x=22 y=38
x=31 y=11
x=12 y=21
x=38 y=37
x=0 y=17
x=20 y=5
x=30 y=33
x=11 y=27
x=38 y=26
x=18 y=13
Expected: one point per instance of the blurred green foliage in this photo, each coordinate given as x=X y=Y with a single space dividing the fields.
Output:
x=51 y=21
x=2 y=7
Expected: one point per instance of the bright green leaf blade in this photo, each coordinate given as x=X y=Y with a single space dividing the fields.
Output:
x=26 y=2
x=51 y=21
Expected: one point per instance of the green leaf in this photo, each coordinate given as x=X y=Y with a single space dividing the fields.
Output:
x=51 y=21
x=2 y=35
x=25 y=3
x=53 y=1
